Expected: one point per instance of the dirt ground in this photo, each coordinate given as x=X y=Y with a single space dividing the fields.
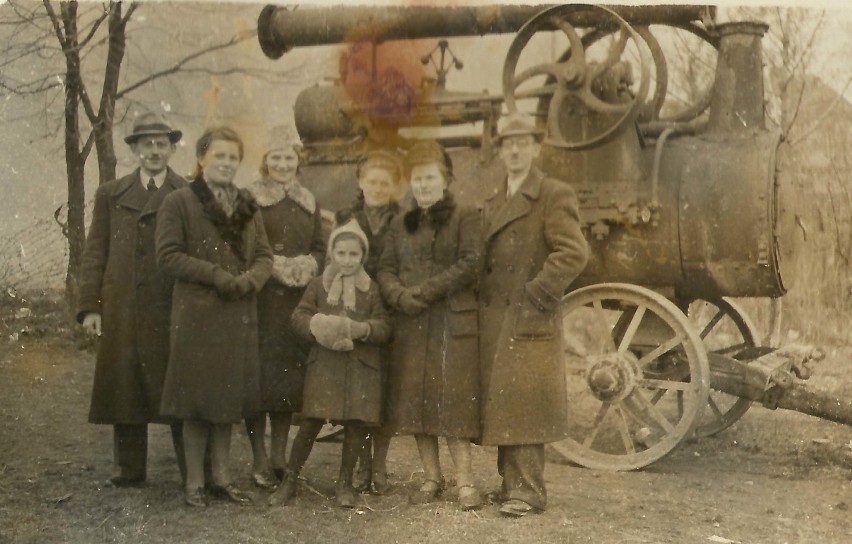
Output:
x=773 y=477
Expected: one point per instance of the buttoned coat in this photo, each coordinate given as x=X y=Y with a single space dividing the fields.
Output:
x=213 y=372
x=534 y=249
x=344 y=386
x=119 y=279
x=434 y=364
x=293 y=227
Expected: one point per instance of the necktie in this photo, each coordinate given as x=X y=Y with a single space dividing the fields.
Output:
x=152 y=185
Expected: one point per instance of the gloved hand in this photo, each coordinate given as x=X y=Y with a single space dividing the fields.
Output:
x=225 y=283
x=92 y=324
x=410 y=303
x=244 y=286
x=360 y=329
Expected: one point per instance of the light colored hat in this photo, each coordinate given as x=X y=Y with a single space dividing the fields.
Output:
x=152 y=124
x=518 y=124
x=351 y=227
x=282 y=136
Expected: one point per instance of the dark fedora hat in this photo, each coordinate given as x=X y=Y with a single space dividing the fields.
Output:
x=152 y=124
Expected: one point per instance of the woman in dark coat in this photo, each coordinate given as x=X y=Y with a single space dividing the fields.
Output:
x=293 y=226
x=210 y=238
x=427 y=274
x=379 y=180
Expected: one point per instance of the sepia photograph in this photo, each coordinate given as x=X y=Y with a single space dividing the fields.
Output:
x=425 y=271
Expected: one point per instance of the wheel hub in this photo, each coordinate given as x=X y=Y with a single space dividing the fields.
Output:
x=613 y=376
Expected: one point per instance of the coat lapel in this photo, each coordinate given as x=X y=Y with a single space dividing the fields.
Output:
x=172 y=182
x=516 y=207
x=130 y=194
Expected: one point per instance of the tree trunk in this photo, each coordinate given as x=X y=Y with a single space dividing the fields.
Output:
x=106 y=111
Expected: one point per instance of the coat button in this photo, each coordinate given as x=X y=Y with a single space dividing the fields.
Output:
x=508 y=302
x=245 y=320
x=510 y=268
x=487 y=269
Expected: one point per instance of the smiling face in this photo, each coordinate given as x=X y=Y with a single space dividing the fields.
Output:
x=378 y=186
x=427 y=184
x=220 y=162
x=153 y=153
x=282 y=164
x=518 y=153
x=347 y=254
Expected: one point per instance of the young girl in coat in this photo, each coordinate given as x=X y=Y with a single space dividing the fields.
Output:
x=342 y=314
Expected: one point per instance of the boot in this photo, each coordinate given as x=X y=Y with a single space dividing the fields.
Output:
x=286 y=490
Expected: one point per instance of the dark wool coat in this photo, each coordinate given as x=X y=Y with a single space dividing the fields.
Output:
x=292 y=228
x=343 y=385
x=534 y=249
x=434 y=369
x=213 y=372
x=119 y=279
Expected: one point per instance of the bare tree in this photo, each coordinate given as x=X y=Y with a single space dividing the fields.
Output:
x=41 y=35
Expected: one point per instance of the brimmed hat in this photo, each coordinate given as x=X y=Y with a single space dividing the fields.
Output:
x=152 y=124
x=518 y=124
x=384 y=159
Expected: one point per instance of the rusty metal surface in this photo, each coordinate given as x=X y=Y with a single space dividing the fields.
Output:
x=280 y=29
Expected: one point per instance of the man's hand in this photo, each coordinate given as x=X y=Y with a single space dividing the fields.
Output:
x=92 y=324
x=410 y=303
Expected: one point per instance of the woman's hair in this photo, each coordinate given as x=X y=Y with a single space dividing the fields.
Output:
x=264 y=169
x=210 y=135
x=384 y=160
x=428 y=152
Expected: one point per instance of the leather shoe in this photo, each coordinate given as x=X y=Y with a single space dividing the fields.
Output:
x=124 y=481
x=515 y=508
x=495 y=497
x=286 y=491
x=361 y=481
x=263 y=480
x=195 y=497
x=380 y=484
x=469 y=498
x=229 y=492
x=427 y=493
x=346 y=496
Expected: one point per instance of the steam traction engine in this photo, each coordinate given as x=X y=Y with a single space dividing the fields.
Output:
x=681 y=209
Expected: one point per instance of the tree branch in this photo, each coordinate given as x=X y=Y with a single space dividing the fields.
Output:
x=91 y=33
x=176 y=67
x=54 y=20
x=810 y=130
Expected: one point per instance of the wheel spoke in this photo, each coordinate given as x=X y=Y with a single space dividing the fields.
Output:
x=631 y=330
x=596 y=424
x=547 y=69
x=712 y=323
x=624 y=431
x=659 y=350
x=714 y=407
x=614 y=53
x=594 y=103
x=645 y=411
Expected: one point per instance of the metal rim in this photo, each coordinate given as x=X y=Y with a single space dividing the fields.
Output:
x=629 y=404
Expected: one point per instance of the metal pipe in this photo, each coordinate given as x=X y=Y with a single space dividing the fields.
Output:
x=279 y=29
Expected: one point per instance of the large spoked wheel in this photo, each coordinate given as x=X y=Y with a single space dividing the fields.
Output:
x=725 y=329
x=569 y=81
x=636 y=374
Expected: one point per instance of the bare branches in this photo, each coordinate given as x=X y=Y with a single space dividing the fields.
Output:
x=179 y=65
x=823 y=116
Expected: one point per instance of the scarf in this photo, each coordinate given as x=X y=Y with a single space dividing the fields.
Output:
x=340 y=287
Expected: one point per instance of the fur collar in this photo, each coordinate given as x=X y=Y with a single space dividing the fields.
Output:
x=268 y=193
x=230 y=228
x=438 y=214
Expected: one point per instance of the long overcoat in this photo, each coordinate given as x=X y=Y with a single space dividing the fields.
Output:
x=343 y=386
x=293 y=227
x=213 y=372
x=119 y=279
x=434 y=369
x=534 y=249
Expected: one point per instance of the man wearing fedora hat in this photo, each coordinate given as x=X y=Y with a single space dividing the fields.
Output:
x=125 y=300
x=534 y=250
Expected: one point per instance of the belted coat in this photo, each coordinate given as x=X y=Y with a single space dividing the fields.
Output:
x=434 y=364
x=534 y=249
x=213 y=372
x=119 y=279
